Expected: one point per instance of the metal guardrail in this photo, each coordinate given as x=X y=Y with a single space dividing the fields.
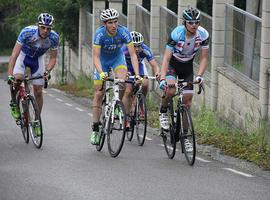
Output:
x=143 y=23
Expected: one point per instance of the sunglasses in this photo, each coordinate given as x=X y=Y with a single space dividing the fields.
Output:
x=45 y=27
x=195 y=22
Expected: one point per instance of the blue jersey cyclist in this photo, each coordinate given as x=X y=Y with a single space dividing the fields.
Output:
x=143 y=52
x=107 y=55
x=32 y=43
x=184 y=42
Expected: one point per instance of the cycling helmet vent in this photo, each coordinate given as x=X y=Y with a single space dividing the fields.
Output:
x=137 y=37
x=191 y=14
x=108 y=14
x=45 y=19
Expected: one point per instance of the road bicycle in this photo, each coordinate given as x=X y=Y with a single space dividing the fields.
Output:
x=30 y=117
x=138 y=114
x=113 y=117
x=180 y=125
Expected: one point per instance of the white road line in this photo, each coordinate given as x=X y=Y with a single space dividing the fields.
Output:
x=90 y=114
x=147 y=138
x=59 y=99
x=239 y=172
x=44 y=91
x=51 y=95
x=79 y=109
x=202 y=160
x=68 y=104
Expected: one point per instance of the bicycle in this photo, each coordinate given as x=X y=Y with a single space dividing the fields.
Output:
x=29 y=113
x=180 y=125
x=138 y=114
x=113 y=118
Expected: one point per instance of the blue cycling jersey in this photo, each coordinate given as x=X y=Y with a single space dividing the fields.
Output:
x=33 y=45
x=184 y=49
x=111 y=44
x=145 y=53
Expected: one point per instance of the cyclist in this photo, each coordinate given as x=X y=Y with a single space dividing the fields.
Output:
x=183 y=43
x=108 y=55
x=32 y=43
x=142 y=51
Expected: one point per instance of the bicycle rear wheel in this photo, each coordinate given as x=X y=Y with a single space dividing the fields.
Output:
x=187 y=137
x=140 y=119
x=24 y=119
x=102 y=128
x=168 y=136
x=35 y=124
x=116 y=129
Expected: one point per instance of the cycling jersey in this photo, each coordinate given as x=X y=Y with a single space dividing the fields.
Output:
x=111 y=44
x=145 y=53
x=111 y=55
x=35 y=46
x=184 y=49
x=33 y=49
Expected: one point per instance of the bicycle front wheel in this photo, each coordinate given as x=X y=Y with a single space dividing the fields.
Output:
x=140 y=119
x=116 y=129
x=35 y=124
x=187 y=137
x=24 y=119
x=168 y=136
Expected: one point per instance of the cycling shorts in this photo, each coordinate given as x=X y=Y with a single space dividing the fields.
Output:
x=182 y=71
x=107 y=64
x=35 y=64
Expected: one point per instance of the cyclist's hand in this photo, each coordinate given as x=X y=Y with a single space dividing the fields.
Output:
x=10 y=79
x=47 y=75
x=162 y=84
x=138 y=79
x=199 y=79
x=103 y=75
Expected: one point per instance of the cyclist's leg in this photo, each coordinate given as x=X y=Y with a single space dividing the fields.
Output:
x=97 y=106
x=128 y=90
x=144 y=72
x=37 y=68
x=18 y=73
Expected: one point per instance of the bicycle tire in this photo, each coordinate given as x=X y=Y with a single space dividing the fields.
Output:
x=169 y=136
x=130 y=133
x=23 y=119
x=34 y=118
x=116 y=136
x=102 y=128
x=139 y=120
x=190 y=135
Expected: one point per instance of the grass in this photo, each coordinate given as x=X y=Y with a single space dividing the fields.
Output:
x=81 y=87
x=209 y=129
x=232 y=141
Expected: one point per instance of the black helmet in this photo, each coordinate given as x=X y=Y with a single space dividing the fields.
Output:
x=191 y=14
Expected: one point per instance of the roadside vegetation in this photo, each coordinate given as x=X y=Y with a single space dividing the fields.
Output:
x=209 y=128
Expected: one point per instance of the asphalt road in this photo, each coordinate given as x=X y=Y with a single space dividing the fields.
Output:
x=68 y=167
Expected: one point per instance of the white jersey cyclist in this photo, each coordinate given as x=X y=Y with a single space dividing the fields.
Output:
x=33 y=49
x=185 y=49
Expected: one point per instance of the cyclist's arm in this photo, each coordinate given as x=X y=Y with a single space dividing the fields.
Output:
x=203 y=61
x=154 y=66
x=97 y=62
x=12 y=60
x=52 y=61
x=165 y=62
x=134 y=59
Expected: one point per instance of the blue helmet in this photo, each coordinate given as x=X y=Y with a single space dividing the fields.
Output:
x=45 y=19
x=190 y=14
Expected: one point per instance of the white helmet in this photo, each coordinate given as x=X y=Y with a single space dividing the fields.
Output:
x=108 y=14
x=137 y=37
x=45 y=19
